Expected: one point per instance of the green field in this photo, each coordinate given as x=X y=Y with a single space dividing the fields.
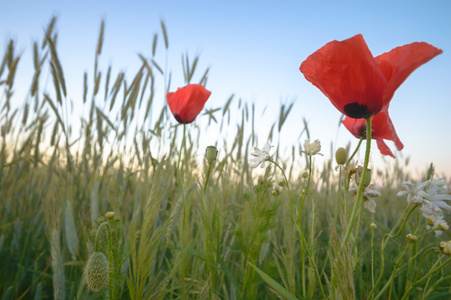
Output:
x=123 y=185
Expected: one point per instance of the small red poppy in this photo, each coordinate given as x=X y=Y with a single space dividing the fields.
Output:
x=358 y=84
x=187 y=102
x=381 y=129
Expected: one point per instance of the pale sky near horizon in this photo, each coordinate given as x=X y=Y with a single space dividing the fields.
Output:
x=254 y=50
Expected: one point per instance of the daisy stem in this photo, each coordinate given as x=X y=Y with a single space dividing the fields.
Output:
x=179 y=175
x=428 y=275
x=287 y=187
x=359 y=196
x=304 y=195
x=384 y=244
x=304 y=246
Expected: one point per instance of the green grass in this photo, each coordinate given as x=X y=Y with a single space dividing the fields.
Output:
x=239 y=237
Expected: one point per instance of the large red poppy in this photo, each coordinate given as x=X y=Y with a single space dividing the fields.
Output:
x=358 y=84
x=187 y=102
x=381 y=129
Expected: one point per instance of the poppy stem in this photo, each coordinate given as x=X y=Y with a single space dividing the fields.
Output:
x=179 y=175
x=359 y=197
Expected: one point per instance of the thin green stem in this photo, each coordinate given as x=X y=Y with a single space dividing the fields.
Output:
x=96 y=248
x=384 y=244
x=208 y=238
x=355 y=152
x=360 y=192
x=179 y=175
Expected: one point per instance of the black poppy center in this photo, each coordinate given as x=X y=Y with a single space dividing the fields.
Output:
x=356 y=110
x=177 y=117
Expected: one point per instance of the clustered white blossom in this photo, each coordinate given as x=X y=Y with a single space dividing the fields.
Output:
x=369 y=194
x=430 y=195
x=311 y=149
x=260 y=156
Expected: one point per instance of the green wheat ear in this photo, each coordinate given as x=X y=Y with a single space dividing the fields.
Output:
x=96 y=271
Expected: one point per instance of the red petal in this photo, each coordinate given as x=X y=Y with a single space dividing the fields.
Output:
x=403 y=61
x=383 y=128
x=383 y=148
x=346 y=72
x=187 y=102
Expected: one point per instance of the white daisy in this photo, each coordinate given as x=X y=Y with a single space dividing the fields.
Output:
x=311 y=149
x=260 y=156
x=430 y=195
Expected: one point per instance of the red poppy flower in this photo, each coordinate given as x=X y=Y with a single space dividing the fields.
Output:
x=381 y=129
x=187 y=102
x=358 y=84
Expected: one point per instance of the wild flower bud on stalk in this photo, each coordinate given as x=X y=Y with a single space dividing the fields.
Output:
x=373 y=226
x=305 y=174
x=411 y=238
x=443 y=226
x=341 y=155
x=210 y=153
x=275 y=193
x=280 y=180
x=96 y=271
x=109 y=215
x=445 y=247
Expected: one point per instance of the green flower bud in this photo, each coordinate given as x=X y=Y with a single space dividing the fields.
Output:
x=445 y=247
x=96 y=271
x=305 y=174
x=280 y=180
x=411 y=238
x=210 y=153
x=109 y=215
x=341 y=155
x=373 y=226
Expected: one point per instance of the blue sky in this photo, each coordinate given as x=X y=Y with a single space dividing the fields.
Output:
x=254 y=49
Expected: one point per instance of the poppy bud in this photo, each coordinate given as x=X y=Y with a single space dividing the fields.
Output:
x=96 y=271
x=341 y=155
x=210 y=153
